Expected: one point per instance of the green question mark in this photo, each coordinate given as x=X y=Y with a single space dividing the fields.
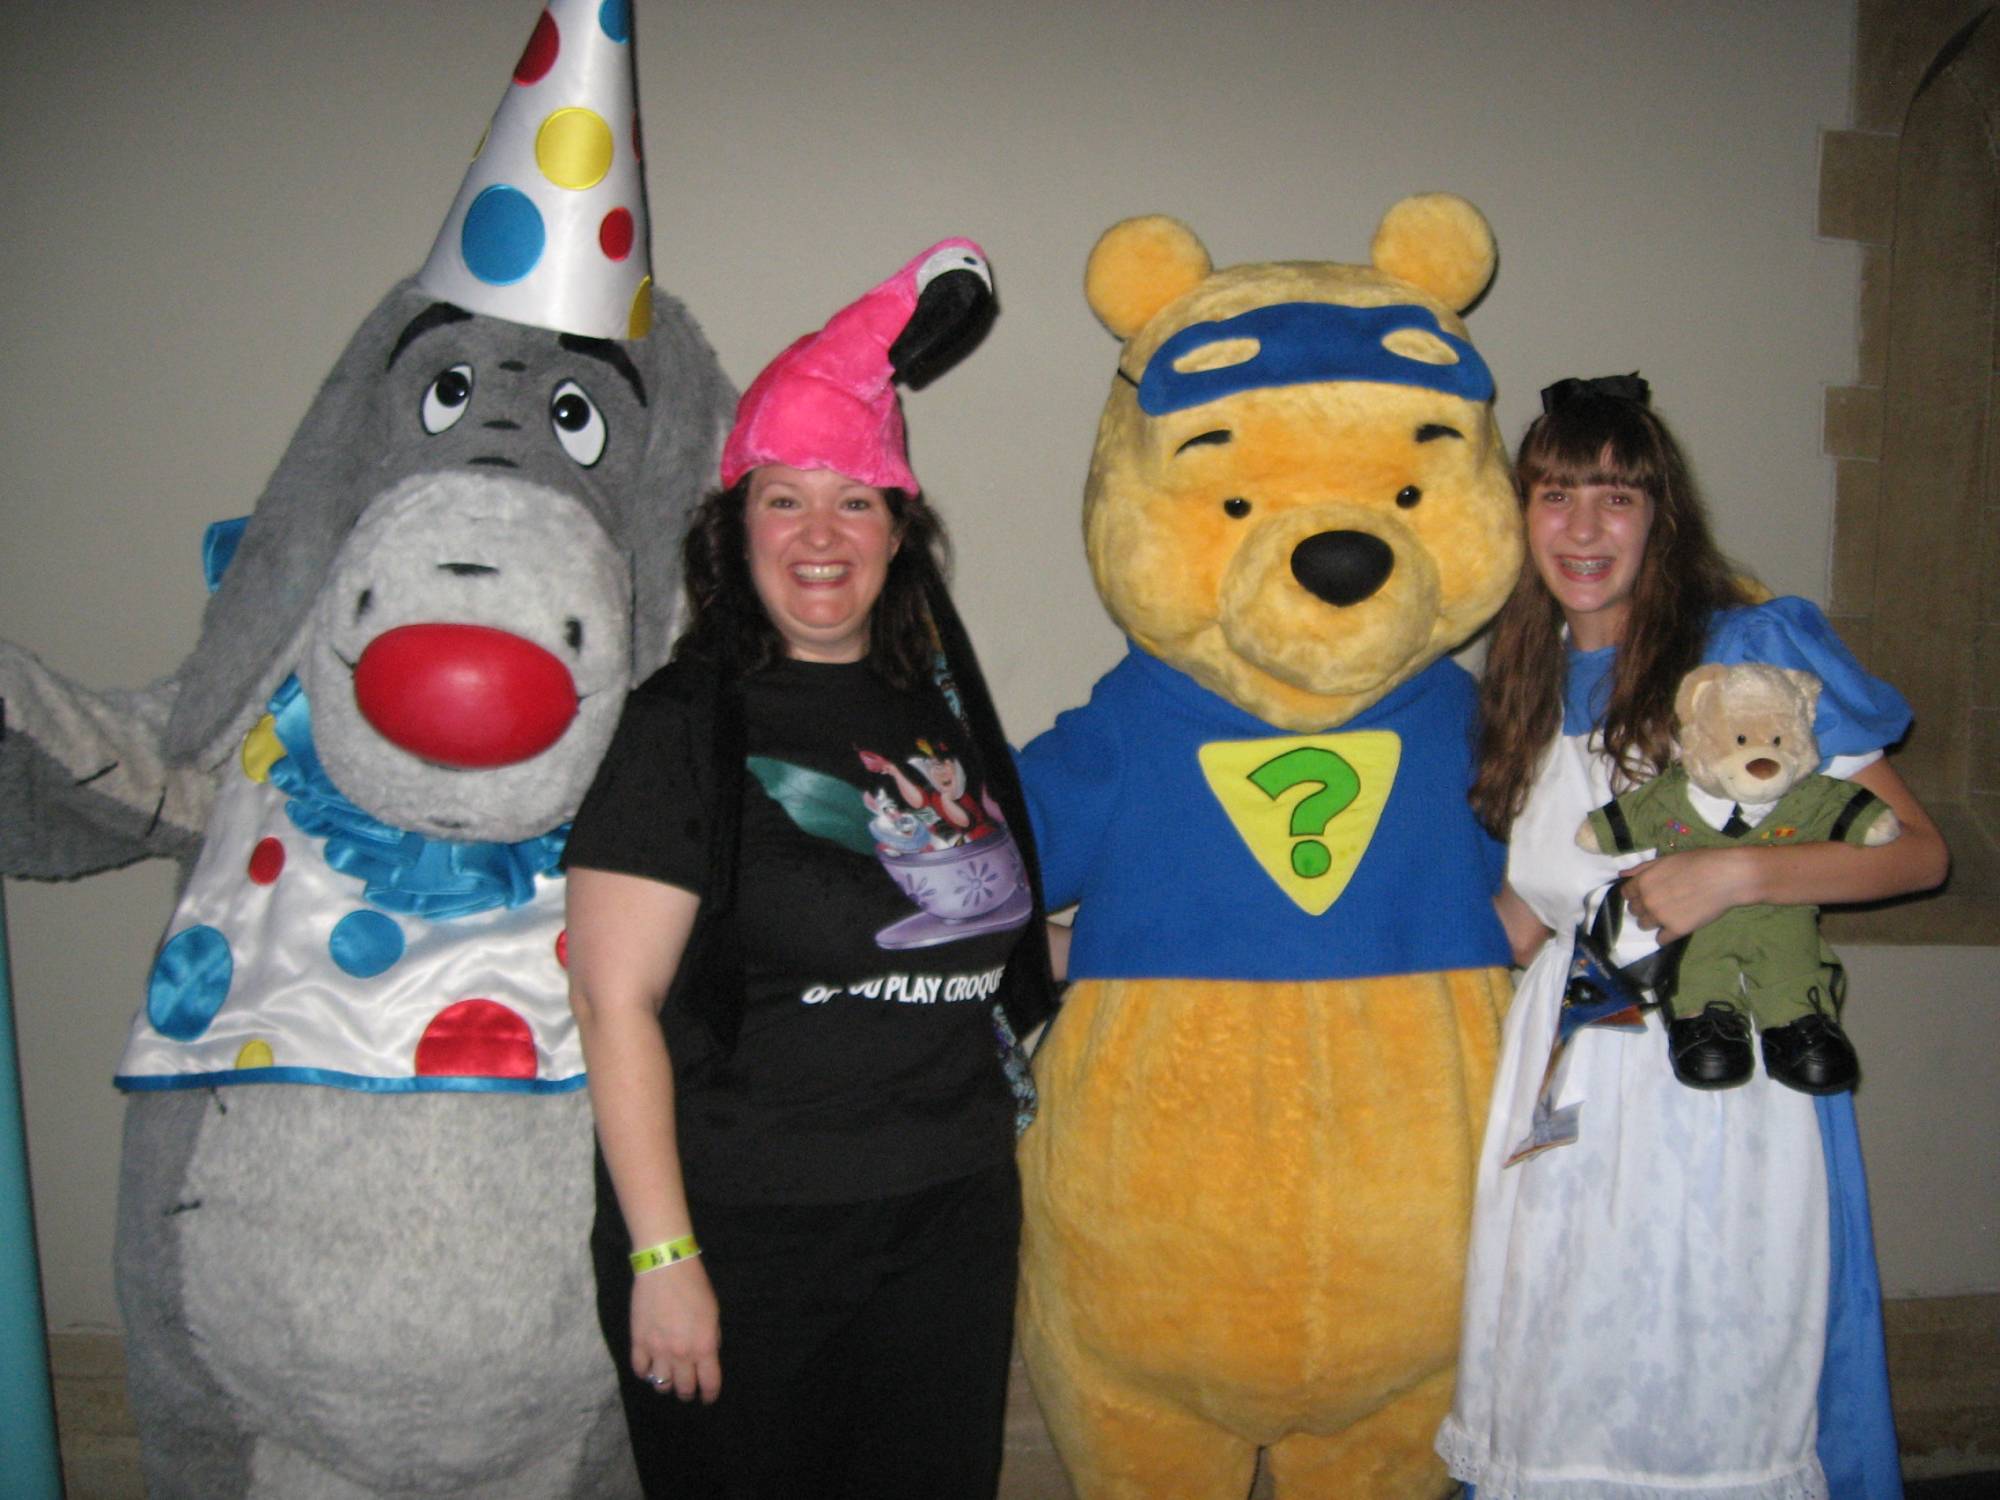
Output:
x=1338 y=786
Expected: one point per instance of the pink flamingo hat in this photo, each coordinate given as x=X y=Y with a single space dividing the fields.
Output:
x=829 y=401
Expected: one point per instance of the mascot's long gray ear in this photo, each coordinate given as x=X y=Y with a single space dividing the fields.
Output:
x=307 y=508
x=692 y=403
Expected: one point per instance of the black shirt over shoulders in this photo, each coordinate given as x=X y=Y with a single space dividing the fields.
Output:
x=878 y=896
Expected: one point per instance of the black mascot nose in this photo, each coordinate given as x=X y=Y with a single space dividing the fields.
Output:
x=1342 y=567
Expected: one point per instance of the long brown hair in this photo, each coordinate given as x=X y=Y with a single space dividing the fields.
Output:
x=1683 y=580
x=726 y=620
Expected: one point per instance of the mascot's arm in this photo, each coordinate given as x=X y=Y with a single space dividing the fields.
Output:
x=1680 y=892
x=1070 y=775
x=84 y=783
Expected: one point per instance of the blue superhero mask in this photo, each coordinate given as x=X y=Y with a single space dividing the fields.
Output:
x=1298 y=343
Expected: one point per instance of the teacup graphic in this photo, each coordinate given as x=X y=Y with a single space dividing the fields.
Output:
x=967 y=889
x=963 y=889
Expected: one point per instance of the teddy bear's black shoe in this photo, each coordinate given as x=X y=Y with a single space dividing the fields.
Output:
x=1812 y=1055
x=1711 y=1050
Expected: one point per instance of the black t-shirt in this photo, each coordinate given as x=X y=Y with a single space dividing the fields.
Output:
x=878 y=896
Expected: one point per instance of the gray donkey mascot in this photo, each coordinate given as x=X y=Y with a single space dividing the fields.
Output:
x=356 y=1186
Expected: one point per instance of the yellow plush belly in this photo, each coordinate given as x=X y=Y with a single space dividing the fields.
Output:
x=1256 y=1194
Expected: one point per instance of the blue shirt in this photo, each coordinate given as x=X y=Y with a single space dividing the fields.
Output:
x=1128 y=827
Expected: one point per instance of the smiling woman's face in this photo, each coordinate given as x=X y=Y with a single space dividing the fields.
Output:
x=820 y=545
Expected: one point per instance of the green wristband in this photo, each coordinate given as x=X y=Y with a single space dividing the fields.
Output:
x=666 y=1253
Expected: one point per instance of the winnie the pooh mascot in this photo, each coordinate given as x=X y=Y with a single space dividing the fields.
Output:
x=1248 y=1190
x=355 y=1192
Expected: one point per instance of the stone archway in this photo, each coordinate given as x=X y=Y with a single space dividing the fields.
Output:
x=1916 y=568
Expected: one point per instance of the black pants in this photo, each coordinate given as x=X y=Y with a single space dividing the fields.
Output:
x=864 y=1347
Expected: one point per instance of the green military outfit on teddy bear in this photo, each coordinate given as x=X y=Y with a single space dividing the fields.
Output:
x=1768 y=961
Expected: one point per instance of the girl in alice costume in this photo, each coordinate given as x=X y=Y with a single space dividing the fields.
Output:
x=1676 y=1296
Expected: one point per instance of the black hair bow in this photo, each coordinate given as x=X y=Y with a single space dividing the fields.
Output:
x=1619 y=387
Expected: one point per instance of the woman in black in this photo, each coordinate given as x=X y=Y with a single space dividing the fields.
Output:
x=803 y=934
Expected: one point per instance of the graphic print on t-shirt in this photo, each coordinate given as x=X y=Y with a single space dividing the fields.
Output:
x=948 y=851
x=1310 y=844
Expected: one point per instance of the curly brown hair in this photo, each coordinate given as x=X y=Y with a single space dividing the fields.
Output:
x=1683 y=580
x=726 y=619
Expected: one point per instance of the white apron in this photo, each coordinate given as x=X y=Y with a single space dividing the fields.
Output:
x=1645 y=1308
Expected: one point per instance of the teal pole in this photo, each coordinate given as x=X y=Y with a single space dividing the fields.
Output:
x=27 y=1406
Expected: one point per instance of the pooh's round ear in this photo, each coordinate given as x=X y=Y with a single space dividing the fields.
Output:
x=1438 y=243
x=1694 y=687
x=1140 y=265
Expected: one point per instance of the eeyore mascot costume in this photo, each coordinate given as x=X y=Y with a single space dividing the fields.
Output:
x=355 y=1194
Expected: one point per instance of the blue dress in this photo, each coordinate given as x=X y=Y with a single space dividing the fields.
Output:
x=1684 y=1301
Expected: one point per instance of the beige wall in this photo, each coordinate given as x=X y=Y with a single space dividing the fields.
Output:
x=204 y=198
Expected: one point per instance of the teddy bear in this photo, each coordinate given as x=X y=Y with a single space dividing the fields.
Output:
x=1747 y=777
x=355 y=1189
x=1247 y=1192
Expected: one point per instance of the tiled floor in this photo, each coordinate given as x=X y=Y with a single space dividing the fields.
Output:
x=1944 y=1365
x=100 y=1454
x=1944 y=1355
x=1959 y=1487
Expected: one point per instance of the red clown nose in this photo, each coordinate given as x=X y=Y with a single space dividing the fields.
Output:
x=466 y=696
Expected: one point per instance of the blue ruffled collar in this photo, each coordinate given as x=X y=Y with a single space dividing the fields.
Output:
x=400 y=871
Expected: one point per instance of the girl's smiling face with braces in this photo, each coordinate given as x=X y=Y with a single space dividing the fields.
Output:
x=1587 y=542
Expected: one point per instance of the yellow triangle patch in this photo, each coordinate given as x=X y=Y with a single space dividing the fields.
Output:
x=1306 y=805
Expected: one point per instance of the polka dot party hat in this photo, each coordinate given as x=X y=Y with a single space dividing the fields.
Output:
x=549 y=227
